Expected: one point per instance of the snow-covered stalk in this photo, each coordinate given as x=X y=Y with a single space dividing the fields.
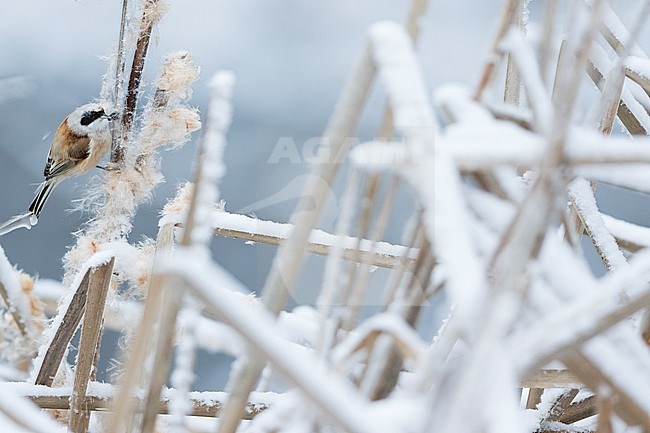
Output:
x=413 y=28
x=19 y=414
x=353 y=294
x=365 y=270
x=136 y=364
x=385 y=362
x=601 y=310
x=523 y=57
x=332 y=276
x=386 y=132
x=12 y=294
x=247 y=228
x=610 y=99
x=616 y=33
x=408 y=342
x=118 y=85
x=630 y=111
x=430 y=375
x=413 y=235
x=494 y=55
x=611 y=96
x=512 y=87
x=210 y=167
x=91 y=333
x=547 y=43
x=167 y=123
x=414 y=19
x=182 y=376
x=583 y=201
x=152 y=13
x=23 y=321
x=604 y=117
x=638 y=70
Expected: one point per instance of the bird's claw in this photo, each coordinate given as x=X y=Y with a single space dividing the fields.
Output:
x=111 y=166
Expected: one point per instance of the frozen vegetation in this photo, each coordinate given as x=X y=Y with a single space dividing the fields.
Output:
x=503 y=173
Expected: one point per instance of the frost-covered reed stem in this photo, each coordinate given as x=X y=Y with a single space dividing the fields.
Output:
x=523 y=58
x=152 y=12
x=182 y=376
x=359 y=286
x=210 y=166
x=413 y=236
x=135 y=372
x=118 y=85
x=385 y=362
x=630 y=112
x=18 y=321
x=332 y=275
x=512 y=87
x=494 y=56
x=584 y=203
x=547 y=43
x=91 y=333
x=616 y=33
x=413 y=27
x=636 y=69
x=353 y=294
x=13 y=295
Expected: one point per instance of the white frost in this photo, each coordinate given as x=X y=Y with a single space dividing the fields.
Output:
x=17 y=298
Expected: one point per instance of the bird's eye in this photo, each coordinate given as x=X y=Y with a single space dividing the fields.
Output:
x=90 y=116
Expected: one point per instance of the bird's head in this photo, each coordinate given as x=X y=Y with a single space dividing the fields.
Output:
x=89 y=118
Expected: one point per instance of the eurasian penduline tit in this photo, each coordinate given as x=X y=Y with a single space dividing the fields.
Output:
x=78 y=145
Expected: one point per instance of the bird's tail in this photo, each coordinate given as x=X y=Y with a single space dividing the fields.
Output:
x=42 y=194
x=27 y=221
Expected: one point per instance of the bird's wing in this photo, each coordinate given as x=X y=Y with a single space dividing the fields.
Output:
x=59 y=169
x=48 y=165
x=79 y=148
x=69 y=156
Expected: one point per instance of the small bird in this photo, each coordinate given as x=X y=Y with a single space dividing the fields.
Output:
x=79 y=144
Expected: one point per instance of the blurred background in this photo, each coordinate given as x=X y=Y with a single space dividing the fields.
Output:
x=291 y=59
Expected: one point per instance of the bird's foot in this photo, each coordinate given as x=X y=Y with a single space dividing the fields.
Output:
x=111 y=166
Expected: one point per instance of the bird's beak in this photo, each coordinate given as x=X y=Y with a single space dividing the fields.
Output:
x=113 y=116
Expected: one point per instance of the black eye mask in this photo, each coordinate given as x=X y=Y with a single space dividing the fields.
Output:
x=90 y=116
